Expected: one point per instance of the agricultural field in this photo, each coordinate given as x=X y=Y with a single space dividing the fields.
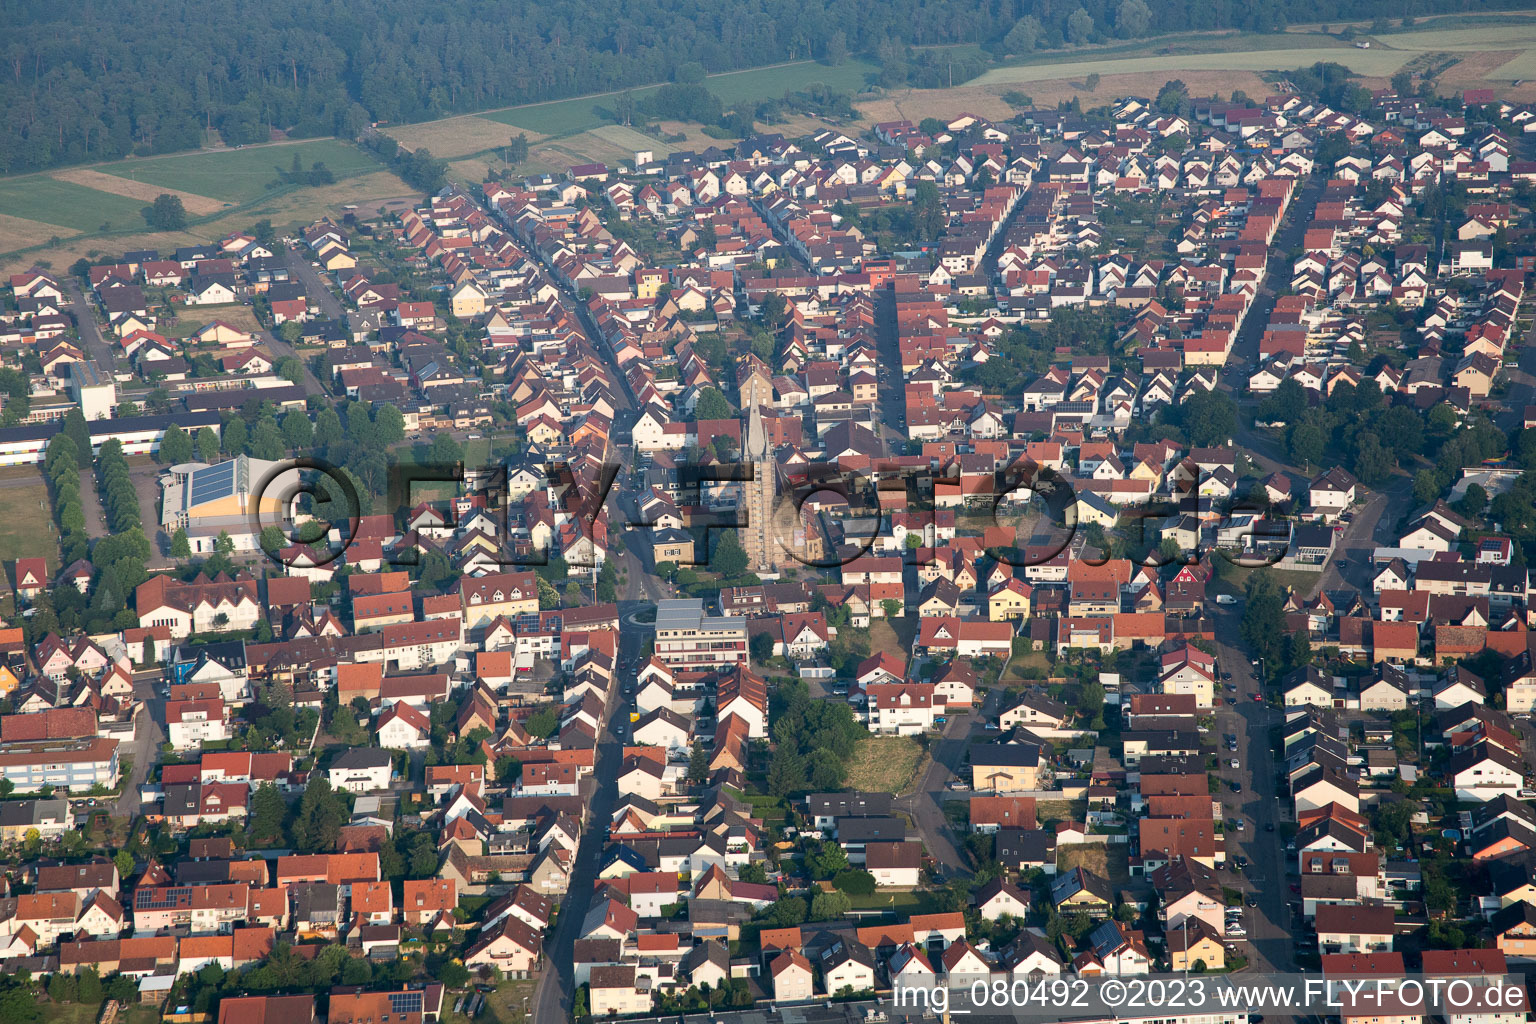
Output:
x=196 y=205
x=456 y=136
x=559 y=117
x=1377 y=62
x=300 y=206
x=78 y=203
x=241 y=175
x=38 y=197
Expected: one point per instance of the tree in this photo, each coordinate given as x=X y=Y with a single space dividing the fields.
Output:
x=786 y=772
x=289 y=368
x=1306 y=444
x=445 y=451
x=175 y=446
x=267 y=441
x=1263 y=622
x=1373 y=463
x=1079 y=27
x=542 y=723
x=855 y=882
x=166 y=213
x=234 y=437
x=17 y=1004
x=729 y=558
x=1133 y=18
x=927 y=210
x=1208 y=417
x=328 y=427
x=712 y=405
x=1173 y=97
x=1091 y=83
x=320 y=816
x=1024 y=36
x=826 y=861
x=698 y=766
x=517 y=149
x=207 y=444
x=181 y=547
x=788 y=912
x=124 y=863
x=453 y=974
x=88 y=987
x=268 y=809
x=390 y=424
x=830 y=906
x=79 y=432
x=1473 y=502
x=1426 y=486
x=298 y=432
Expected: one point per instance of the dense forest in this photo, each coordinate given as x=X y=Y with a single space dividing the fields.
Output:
x=83 y=80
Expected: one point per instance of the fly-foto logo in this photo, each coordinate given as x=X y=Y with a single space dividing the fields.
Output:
x=307 y=512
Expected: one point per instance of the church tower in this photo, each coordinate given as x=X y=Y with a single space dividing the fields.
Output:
x=757 y=535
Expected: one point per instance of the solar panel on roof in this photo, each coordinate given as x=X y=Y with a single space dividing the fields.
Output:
x=161 y=899
x=212 y=483
x=405 y=1002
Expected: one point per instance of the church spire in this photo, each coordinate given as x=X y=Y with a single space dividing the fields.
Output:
x=757 y=437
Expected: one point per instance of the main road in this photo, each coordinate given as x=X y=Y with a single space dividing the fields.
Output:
x=1258 y=805
x=554 y=997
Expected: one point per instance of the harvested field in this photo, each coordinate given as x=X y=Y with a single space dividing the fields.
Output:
x=16 y=233
x=243 y=174
x=298 y=207
x=457 y=136
x=196 y=205
x=1365 y=62
x=987 y=101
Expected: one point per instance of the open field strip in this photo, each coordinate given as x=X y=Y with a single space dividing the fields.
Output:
x=196 y=205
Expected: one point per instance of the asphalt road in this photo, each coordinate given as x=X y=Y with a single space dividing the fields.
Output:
x=1268 y=943
x=925 y=804
x=90 y=331
x=315 y=286
x=552 y=999
x=90 y=504
x=145 y=748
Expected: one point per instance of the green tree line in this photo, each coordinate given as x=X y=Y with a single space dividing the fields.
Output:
x=84 y=82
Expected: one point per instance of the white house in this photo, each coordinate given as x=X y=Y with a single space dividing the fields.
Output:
x=361 y=770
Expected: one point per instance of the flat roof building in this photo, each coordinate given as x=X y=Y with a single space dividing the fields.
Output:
x=688 y=639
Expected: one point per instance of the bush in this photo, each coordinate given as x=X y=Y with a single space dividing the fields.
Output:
x=854 y=882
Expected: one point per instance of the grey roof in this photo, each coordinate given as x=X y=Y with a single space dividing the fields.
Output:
x=362 y=757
